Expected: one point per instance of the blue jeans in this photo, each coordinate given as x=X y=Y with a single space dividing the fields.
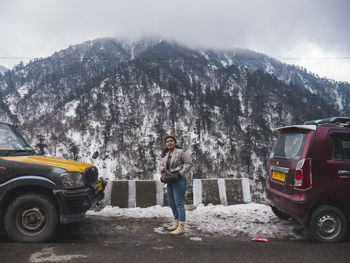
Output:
x=176 y=197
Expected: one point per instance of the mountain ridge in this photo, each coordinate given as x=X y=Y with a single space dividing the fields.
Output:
x=122 y=98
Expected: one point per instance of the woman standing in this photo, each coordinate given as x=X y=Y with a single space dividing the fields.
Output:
x=179 y=162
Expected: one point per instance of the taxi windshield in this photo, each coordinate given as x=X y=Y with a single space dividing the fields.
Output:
x=11 y=140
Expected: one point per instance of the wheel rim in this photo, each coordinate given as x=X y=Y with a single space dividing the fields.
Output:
x=31 y=220
x=328 y=226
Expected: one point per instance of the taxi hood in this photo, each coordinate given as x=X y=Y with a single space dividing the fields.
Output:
x=70 y=166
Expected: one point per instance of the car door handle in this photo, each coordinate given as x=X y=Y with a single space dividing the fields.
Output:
x=344 y=173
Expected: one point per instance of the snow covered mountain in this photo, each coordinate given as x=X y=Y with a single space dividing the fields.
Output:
x=122 y=98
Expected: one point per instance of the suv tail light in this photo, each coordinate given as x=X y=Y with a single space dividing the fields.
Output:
x=303 y=175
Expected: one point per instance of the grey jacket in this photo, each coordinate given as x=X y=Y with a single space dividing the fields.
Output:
x=181 y=161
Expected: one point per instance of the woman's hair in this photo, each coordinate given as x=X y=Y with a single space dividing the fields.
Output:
x=170 y=136
x=164 y=152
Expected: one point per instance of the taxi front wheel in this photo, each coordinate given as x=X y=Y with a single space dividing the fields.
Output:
x=31 y=217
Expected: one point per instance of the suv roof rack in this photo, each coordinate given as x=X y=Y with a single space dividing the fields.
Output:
x=334 y=121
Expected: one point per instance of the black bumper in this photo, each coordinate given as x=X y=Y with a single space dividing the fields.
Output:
x=74 y=203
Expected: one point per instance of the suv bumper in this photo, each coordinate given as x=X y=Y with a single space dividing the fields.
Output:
x=296 y=205
x=74 y=203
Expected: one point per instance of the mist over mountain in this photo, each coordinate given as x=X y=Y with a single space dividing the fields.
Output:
x=122 y=98
x=3 y=69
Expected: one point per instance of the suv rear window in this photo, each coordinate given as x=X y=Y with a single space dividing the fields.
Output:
x=289 y=146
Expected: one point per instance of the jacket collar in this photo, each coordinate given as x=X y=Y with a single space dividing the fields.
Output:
x=175 y=152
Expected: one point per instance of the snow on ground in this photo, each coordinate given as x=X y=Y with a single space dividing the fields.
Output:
x=252 y=220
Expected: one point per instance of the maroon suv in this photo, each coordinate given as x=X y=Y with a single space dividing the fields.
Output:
x=309 y=176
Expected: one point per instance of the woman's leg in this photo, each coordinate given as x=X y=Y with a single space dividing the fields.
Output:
x=179 y=190
x=171 y=200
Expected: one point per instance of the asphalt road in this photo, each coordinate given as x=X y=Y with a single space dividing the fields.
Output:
x=99 y=239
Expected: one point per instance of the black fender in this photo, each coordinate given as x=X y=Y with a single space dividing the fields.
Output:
x=26 y=180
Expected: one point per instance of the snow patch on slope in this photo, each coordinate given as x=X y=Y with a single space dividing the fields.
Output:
x=70 y=108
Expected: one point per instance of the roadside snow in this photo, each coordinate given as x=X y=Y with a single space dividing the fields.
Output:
x=250 y=220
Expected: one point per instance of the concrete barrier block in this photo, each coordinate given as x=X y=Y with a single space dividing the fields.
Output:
x=146 y=193
x=120 y=194
x=237 y=191
x=234 y=191
x=132 y=193
x=221 y=191
x=210 y=192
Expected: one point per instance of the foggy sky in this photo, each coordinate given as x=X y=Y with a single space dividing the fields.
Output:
x=311 y=33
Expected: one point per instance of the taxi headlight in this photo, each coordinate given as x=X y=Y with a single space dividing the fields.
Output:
x=72 y=180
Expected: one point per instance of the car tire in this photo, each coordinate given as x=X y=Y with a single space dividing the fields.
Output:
x=31 y=217
x=328 y=224
x=280 y=214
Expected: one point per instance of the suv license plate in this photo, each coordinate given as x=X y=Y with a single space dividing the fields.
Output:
x=279 y=176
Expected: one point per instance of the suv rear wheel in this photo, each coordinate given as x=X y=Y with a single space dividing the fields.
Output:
x=328 y=224
x=280 y=214
x=31 y=217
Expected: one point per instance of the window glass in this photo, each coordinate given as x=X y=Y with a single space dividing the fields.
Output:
x=10 y=139
x=337 y=153
x=341 y=147
x=289 y=146
x=346 y=148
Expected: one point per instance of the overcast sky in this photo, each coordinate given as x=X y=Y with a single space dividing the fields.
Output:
x=311 y=33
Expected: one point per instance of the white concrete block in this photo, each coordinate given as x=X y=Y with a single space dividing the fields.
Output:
x=222 y=191
x=247 y=198
x=132 y=193
x=160 y=193
x=197 y=192
x=108 y=193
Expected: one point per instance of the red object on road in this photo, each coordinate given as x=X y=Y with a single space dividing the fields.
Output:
x=260 y=239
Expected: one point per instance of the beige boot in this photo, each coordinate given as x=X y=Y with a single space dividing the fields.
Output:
x=180 y=229
x=174 y=227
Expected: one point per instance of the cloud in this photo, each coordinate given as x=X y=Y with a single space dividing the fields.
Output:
x=279 y=28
